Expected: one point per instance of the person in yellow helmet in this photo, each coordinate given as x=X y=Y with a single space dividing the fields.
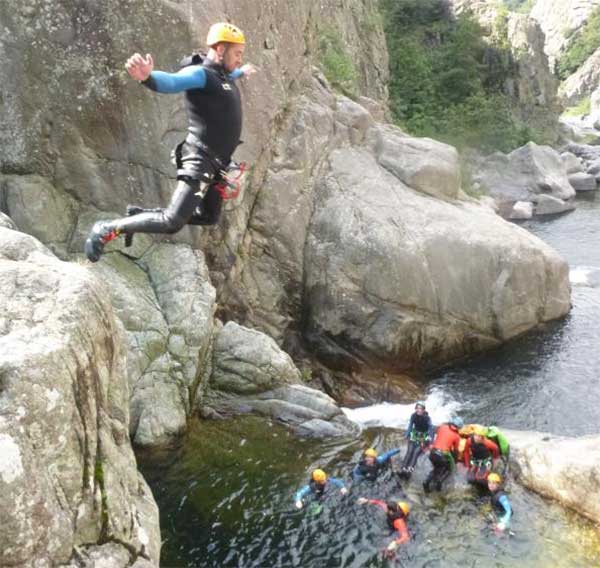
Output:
x=396 y=515
x=500 y=502
x=214 y=110
x=371 y=464
x=316 y=487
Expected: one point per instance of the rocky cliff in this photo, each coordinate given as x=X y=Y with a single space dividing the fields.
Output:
x=533 y=86
x=560 y=21
x=86 y=141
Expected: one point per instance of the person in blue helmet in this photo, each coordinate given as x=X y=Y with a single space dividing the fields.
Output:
x=371 y=465
x=419 y=435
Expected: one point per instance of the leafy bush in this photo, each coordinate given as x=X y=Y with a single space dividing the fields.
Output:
x=582 y=109
x=337 y=65
x=446 y=78
x=581 y=45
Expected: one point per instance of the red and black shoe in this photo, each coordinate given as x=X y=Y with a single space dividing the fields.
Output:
x=102 y=232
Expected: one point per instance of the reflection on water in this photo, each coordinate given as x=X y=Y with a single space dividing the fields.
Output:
x=226 y=499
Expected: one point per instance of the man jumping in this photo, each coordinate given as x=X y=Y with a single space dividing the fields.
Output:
x=214 y=111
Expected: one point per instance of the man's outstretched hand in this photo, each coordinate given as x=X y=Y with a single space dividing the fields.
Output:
x=138 y=67
x=248 y=69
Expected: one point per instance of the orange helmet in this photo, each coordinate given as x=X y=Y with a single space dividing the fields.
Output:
x=224 y=32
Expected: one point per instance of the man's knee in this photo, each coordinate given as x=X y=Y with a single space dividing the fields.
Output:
x=173 y=222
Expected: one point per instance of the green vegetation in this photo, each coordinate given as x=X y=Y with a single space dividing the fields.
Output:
x=447 y=78
x=581 y=45
x=581 y=109
x=336 y=63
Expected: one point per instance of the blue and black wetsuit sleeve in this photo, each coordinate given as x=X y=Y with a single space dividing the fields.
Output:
x=190 y=77
x=301 y=493
x=410 y=427
x=384 y=458
x=337 y=482
x=507 y=509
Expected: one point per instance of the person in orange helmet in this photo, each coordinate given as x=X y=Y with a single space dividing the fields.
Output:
x=316 y=487
x=396 y=515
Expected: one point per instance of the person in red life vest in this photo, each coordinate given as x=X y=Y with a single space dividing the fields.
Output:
x=443 y=453
x=396 y=513
x=479 y=456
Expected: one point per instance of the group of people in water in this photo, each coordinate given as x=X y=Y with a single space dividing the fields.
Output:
x=483 y=450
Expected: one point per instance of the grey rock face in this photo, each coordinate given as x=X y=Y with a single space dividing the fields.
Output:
x=562 y=468
x=68 y=476
x=252 y=374
x=583 y=82
x=426 y=165
x=394 y=276
x=524 y=174
x=39 y=209
x=7 y=222
x=166 y=303
x=560 y=18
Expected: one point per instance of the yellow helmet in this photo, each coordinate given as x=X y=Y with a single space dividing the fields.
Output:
x=404 y=507
x=371 y=453
x=224 y=32
x=480 y=431
x=319 y=476
x=494 y=478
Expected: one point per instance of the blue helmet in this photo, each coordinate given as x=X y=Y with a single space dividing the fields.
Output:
x=457 y=421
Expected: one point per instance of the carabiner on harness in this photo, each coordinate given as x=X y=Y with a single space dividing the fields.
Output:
x=230 y=182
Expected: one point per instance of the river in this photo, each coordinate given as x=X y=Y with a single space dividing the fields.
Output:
x=226 y=495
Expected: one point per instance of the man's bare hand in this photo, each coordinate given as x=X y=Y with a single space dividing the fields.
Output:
x=248 y=69
x=138 y=67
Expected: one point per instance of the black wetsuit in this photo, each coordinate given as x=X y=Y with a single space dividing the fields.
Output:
x=214 y=109
x=419 y=434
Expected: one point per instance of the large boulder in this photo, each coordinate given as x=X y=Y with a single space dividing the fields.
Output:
x=426 y=165
x=68 y=476
x=562 y=468
x=395 y=277
x=524 y=174
x=251 y=373
x=549 y=205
